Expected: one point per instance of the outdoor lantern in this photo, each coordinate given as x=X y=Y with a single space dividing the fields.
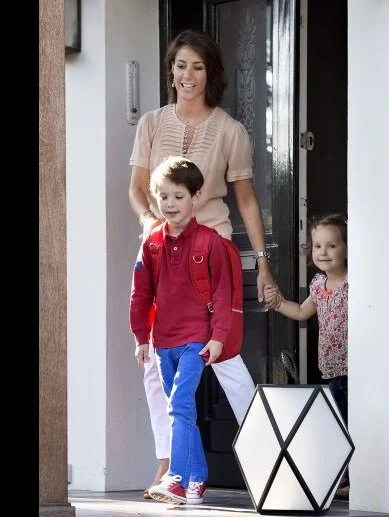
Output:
x=292 y=449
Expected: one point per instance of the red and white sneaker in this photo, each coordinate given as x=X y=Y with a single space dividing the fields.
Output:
x=195 y=492
x=169 y=490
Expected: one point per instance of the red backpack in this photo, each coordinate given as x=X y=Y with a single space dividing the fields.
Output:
x=198 y=270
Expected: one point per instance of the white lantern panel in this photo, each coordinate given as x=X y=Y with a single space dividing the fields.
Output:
x=286 y=492
x=257 y=452
x=286 y=405
x=319 y=448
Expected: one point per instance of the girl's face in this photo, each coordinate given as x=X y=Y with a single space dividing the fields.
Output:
x=175 y=204
x=190 y=74
x=329 y=251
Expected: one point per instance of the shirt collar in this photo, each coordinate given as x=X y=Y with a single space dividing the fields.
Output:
x=186 y=232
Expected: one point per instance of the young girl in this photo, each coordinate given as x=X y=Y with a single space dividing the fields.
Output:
x=184 y=331
x=328 y=297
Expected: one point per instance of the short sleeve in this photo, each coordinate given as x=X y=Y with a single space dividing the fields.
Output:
x=239 y=153
x=143 y=141
x=314 y=286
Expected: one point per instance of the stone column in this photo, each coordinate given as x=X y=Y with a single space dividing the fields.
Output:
x=53 y=486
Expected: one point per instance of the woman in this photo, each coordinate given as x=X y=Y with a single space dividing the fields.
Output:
x=194 y=126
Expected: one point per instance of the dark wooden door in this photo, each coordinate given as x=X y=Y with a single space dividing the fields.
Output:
x=258 y=44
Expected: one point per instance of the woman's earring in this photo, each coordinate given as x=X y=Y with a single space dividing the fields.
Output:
x=173 y=83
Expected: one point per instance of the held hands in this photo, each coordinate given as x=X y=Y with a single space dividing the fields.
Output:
x=142 y=354
x=211 y=351
x=273 y=297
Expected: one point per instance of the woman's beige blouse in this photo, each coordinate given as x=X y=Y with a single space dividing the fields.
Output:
x=220 y=148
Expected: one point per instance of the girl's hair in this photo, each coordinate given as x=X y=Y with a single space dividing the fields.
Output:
x=210 y=53
x=180 y=171
x=337 y=220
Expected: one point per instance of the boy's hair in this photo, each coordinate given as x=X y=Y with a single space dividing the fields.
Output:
x=180 y=171
x=337 y=220
x=210 y=53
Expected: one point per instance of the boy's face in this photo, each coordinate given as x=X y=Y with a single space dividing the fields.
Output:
x=175 y=204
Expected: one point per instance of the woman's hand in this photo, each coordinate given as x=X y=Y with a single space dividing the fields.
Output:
x=211 y=351
x=149 y=222
x=138 y=194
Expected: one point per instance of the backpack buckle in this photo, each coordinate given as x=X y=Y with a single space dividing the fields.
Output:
x=198 y=259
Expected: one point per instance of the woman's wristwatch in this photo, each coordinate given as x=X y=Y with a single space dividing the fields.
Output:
x=260 y=254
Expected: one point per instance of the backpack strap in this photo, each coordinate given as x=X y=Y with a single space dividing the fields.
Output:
x=155 y=244
x=198 y=264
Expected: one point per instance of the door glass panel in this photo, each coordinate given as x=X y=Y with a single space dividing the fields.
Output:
x=244 y=34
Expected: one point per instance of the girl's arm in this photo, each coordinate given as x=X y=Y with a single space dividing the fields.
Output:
x=291 y=309
x=250 y=212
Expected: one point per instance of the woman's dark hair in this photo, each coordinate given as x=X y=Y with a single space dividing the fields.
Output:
x=337 y=220
x=210 y=53
x=180 y=171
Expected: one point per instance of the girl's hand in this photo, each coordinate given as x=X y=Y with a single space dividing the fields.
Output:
x=211 y=351
x=272 y=296
x=142 y=354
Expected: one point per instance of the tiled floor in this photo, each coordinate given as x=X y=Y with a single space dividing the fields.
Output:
x=217 y=503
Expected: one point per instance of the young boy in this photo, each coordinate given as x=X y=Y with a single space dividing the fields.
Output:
x=183 y=331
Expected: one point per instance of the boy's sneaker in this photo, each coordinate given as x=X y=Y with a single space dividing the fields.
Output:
x=169 y=490
x=195 y=492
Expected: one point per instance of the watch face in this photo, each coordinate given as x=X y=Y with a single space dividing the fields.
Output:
x=263 y=254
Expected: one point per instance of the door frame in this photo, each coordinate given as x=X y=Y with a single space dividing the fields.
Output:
x=302 y=188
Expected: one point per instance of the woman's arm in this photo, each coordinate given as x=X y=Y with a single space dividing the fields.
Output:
x=138 y=190
x=250 y=212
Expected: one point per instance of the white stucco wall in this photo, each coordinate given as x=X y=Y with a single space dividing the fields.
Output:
x=368 y=195
x=110 y=443
x=87 y=251
x=131 y=33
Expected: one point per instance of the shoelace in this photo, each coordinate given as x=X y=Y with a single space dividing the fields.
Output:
x=167 y=480
x=195 y=486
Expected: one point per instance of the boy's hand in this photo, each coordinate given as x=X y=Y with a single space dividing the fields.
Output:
x=272 y=296
x=142 y=354
x=211 y=351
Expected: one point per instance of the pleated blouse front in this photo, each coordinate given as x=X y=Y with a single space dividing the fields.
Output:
x=220 y=147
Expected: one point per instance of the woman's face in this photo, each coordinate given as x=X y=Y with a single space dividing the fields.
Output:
x=190 y=74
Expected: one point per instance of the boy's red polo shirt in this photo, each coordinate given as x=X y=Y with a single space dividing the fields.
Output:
x=181 y=317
